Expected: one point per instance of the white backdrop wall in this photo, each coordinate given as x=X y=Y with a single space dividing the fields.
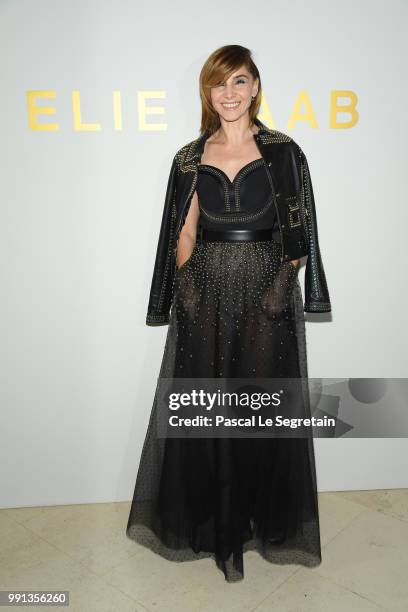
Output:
x=81 y=208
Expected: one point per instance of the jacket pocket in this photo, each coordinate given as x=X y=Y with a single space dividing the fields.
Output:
x=297 y=217
x=293 y=211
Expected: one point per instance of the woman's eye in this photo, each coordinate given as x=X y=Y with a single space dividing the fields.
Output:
x=237 y=82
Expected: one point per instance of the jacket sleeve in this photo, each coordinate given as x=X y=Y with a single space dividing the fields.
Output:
x=163 y=272
x=317 y=297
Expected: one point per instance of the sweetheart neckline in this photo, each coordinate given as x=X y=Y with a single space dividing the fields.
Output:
x=237 y=174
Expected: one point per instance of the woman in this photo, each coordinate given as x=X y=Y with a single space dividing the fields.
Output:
x=238 y=215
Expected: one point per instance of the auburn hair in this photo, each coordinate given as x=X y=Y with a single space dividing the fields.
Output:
x=218 y=67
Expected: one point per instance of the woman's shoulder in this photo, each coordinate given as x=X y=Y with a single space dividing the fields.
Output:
x=186 y=155
x=186 y=150
x=272 y=136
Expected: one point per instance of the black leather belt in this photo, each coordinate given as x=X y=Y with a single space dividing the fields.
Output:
x=235 y=235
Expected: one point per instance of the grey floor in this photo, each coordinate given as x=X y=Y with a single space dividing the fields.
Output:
x=83 y=549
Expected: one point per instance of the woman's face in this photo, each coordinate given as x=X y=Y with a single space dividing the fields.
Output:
x=232 y=98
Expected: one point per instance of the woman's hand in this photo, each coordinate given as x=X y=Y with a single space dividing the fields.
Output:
x=278 y=296
x=188 y=233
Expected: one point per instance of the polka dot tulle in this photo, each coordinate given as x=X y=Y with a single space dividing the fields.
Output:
x=237 y=311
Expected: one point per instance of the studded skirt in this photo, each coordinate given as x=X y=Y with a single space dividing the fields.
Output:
x=237 y=311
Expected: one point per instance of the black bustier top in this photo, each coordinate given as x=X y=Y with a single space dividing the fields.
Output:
x=246 y=202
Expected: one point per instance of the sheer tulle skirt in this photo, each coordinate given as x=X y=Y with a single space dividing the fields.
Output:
x=237 y=312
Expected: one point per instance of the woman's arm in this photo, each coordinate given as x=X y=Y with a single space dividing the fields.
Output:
x=188 y=233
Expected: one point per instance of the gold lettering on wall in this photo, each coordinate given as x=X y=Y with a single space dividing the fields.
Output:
x=349 y=108
x=265 y=115
x=144 y=110
x=76 y=110
x=33 y=111
x=117 y=110
x=307 y=115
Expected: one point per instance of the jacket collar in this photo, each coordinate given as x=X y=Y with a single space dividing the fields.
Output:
x=197 y=146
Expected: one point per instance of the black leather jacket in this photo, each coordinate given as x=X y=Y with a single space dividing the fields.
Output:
x=294 y=204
